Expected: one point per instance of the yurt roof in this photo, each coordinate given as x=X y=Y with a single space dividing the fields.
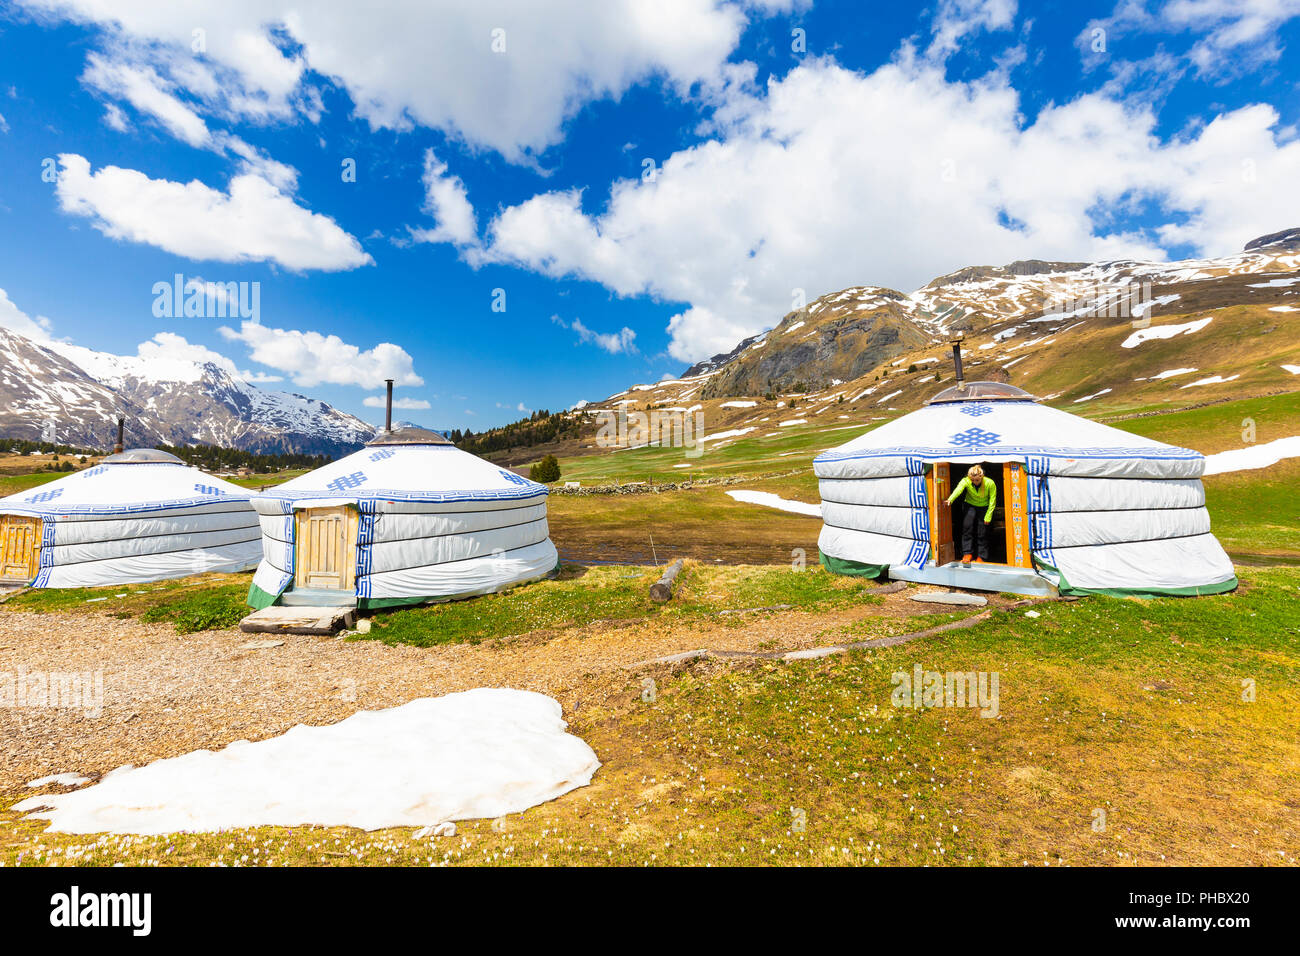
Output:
x=1016 y=430
x=142 y=456
x=982 y=391
x=139 y=480
x=406 y=471
x=410 y=435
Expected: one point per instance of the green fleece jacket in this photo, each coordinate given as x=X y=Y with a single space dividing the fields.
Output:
x=986 y=494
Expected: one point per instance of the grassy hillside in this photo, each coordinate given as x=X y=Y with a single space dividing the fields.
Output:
x=1126 y=732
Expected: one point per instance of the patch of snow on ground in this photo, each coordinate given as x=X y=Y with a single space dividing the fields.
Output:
x=1140 y=308
x=1164 y=332
x=1284 y=308
x=769 y=500
x=1293 y=369
x=1212 y=380
x=62 y=779
x=793 y=421
x=1168 y=373
x=734 y=433
x=738 y=404
x=1275 y=283
x=1088 y=398
x=481 y=753
x=1257 y=456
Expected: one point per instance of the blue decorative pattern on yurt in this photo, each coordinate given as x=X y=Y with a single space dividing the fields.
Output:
x=1040 y=517
x=347 y=482
x=365 y=539
x=920 y=550
x=974 y=438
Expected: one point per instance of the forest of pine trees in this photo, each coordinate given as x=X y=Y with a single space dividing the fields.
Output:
x=540 y=428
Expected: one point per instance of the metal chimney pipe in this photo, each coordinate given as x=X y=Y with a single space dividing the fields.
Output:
x=121 y=435
x=388 y=415
x=956 y=357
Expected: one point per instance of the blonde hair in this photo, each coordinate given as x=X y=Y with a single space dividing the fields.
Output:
x=975 y=471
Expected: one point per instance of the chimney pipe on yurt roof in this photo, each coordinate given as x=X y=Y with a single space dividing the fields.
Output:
x=956 y=357
x=121 y=435
x=388 y=415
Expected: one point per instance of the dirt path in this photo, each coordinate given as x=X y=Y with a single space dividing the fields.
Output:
x=166 y=694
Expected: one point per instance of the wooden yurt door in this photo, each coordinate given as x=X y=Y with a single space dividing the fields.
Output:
x=942 y=547
x=326 y=549
x=20 y=544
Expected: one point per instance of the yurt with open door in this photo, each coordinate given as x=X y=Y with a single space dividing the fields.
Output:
x=139 y=515
x=409 y=519
x=1082 y=507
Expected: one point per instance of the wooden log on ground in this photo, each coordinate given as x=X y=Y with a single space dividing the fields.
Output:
x=662 y=590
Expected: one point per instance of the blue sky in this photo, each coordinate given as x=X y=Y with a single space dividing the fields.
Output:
x=640 y=184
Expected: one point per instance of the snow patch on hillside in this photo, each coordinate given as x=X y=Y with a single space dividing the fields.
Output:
x=769 y=500
x=480 y=753
x=1256 y=456
x=1164 y=332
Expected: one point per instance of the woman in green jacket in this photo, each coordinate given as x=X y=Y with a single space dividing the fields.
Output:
x=981 y=495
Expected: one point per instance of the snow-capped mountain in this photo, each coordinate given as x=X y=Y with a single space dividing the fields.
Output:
x=75 y=394
x=843 y=335
x=1070 y=332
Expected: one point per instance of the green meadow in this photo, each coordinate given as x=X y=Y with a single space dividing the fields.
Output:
x=1125 y=732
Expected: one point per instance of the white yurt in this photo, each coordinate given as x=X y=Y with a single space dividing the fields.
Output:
x=139 y=515
x=1082 y=507
x=407 y=520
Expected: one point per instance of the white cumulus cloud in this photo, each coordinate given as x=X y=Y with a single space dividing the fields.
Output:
x=500 y=74
x=621 y=342
x=446 y=201
x=254 y=221
x=405 y=404
x=311 y=358
x=830 y=178
x=16 y=320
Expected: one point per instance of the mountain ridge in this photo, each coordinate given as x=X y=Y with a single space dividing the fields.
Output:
x=78 y=392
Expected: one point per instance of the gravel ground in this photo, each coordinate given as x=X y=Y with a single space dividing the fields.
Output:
x=166 y=694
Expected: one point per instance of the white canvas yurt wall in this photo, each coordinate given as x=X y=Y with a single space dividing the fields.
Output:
x=141 y=515
x=1109 y=511
x=433 y=523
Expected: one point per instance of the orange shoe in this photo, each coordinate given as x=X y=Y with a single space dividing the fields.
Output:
x=980 y=561
x=965 y=561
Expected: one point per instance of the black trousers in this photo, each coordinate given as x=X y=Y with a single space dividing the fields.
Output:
x=974 y=532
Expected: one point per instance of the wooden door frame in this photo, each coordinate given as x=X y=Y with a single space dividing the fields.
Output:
x=1014 y=489
x=348 y=560
x=36 y=527
x=939 y=482
x=1015 y=512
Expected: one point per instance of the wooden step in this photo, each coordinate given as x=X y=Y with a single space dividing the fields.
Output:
x=299 y=620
